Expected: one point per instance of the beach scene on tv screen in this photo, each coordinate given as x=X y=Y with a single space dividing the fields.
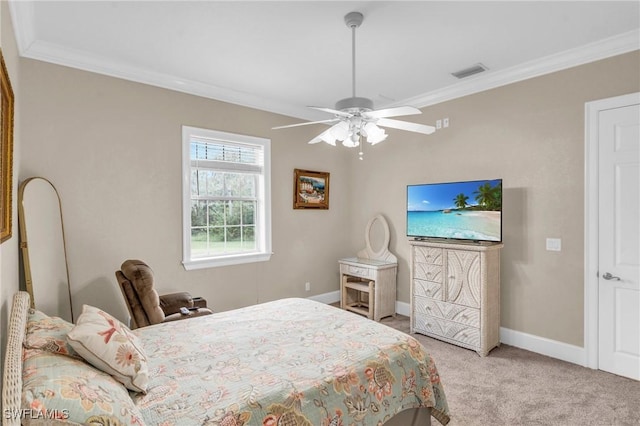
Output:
x=460 y=210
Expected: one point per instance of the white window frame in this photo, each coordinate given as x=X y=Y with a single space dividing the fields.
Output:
x=263 y=208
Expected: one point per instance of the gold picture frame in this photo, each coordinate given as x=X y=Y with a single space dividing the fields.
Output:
x=6 y=152
x=310 y=189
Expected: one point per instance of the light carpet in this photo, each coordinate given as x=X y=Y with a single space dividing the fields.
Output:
x=513 y=386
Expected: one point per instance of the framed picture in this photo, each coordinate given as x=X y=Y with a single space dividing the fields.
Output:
x=6 y=151
x=310 y=189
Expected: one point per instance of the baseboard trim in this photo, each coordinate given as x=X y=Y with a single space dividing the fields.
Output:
x=541 y=345
x=403 y=308
x=328 y=298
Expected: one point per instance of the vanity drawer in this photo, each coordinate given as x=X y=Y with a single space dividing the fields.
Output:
x=356 y=271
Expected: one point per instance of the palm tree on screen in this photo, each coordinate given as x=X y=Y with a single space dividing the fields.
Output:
x=485 y=195
x=461 y=201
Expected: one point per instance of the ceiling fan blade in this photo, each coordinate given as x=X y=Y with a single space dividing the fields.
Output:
x=326 y=136
x=331 y=120
x=405 y=125
x=333 y=111
x=392 y=112
x=319 y=139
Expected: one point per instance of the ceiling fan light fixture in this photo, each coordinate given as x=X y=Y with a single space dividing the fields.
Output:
x=355 y=118
x=353 y=140
x=374 y=133
x=328 y=137
x=340 y=130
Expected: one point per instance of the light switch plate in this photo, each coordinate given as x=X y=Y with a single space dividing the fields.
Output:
x=554 y=244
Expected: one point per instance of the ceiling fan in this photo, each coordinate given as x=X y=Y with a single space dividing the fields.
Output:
x=355 y=118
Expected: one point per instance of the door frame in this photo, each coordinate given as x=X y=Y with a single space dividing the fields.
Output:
x=592 y=111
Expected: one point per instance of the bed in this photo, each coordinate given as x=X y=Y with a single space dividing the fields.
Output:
x=287 y=362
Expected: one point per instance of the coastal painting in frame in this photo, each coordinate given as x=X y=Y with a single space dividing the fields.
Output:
x=310 y=189
x=6 y=151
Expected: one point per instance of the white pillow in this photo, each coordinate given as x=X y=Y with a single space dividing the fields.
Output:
x=110 y=346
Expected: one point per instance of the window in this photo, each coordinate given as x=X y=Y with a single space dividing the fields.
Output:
x=226 y=198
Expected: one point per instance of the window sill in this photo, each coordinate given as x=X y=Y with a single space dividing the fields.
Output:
x=225 y=261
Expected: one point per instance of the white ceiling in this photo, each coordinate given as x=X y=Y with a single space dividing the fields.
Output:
x=283 y=56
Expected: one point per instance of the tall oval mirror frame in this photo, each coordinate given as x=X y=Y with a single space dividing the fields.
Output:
x=43 y=248
x=377 y=238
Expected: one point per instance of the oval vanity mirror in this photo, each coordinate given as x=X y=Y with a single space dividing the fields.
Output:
x=377 y=235
x=377 y=240
x=43 y=248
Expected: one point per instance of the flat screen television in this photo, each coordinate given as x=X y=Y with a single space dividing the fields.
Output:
x=470 y=210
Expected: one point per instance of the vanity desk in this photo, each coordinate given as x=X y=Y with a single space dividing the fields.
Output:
x=368 y=281
x=368 y=286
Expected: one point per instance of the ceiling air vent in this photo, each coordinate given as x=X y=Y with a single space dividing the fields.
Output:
x=475 y=69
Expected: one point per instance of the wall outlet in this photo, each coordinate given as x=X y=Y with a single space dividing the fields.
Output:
x=554 y=244
x=445 y=122
x=438 y=124
x=307 y=286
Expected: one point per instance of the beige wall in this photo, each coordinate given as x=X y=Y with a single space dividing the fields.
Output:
x=9 y=249
x=112 y=148
x=531 y=134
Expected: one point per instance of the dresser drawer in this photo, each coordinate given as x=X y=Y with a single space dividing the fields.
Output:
x=469 y=336
x=448 y=311
x=430 y=255
x=427 y=324
x=427 y=289
x=427 y=272
x=356 y=271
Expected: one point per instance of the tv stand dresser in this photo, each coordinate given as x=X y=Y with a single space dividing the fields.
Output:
x=455 y=292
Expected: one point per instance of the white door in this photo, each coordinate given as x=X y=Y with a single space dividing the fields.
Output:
x=619 y=241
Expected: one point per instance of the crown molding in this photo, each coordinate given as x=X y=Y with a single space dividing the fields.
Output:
x=602 y=49
x=86 y=61
x=21 y=13
x=30 y=47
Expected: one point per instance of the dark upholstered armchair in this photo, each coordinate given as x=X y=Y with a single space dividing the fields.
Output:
x=145 y=306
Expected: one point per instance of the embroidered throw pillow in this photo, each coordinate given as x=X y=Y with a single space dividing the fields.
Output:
x=73 y=392
x=109 y=345
x=48 y=333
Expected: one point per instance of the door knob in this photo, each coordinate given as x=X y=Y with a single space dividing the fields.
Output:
x=608 y=276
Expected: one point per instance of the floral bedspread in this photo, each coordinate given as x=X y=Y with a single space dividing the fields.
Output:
x=288 y=362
